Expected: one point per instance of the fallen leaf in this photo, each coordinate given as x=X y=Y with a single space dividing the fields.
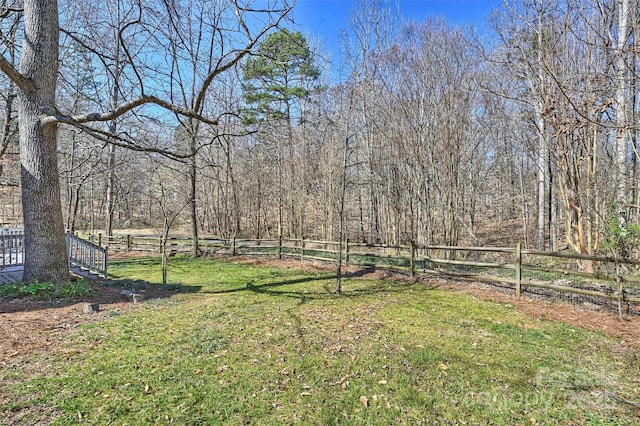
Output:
x=364 y=401
x=443 y=367
x=382 y=382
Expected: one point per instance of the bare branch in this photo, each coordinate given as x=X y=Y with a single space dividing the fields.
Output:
x=7 y=10
x=239 y=54
x=123 y=45
x=125 y=142
x=7 y=132
x=122 y=109
x=24 y=83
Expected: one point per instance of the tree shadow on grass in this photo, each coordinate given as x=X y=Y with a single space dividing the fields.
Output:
x=264 y=287
x=102 y=292
x=131 y=284
x=327 y=291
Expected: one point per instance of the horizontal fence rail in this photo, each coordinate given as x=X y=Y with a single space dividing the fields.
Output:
x=600 y=279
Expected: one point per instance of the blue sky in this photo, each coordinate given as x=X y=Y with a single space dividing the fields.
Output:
x=323 y=19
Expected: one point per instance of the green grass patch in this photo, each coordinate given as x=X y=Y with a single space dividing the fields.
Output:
x=275 y=346
x=47 y=291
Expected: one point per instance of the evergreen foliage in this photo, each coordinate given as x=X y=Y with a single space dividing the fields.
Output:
x=282 y=73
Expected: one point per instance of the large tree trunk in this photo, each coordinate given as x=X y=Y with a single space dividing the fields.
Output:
x=44 y=245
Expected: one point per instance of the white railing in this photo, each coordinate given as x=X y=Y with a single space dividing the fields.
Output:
x=11 y=247
x=82 y=254
x=87 y=255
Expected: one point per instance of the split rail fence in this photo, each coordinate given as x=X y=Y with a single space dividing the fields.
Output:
x=611 y=282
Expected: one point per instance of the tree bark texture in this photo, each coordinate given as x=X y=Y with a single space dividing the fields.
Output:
x=44 y=244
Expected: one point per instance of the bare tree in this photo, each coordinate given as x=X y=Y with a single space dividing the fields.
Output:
x=621 y=143
x=370 y=32
x=171 y=203
x=39 y=117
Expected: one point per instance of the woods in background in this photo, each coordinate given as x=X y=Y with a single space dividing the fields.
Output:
x=419 y=131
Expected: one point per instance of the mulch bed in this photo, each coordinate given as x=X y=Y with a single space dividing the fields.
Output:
x=31 y=326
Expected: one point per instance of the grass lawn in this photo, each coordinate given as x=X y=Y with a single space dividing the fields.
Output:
x=262 y=345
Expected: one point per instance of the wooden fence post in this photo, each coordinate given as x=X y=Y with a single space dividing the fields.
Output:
x=518 y=270
x=280 y=246
x=346 y=252
x=128 y=242
x=233 y=246
x=100 y=239
x=106 y=262
x=301 y=248
x=412 y=261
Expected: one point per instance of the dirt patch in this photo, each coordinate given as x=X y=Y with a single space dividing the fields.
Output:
x=626 y=329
